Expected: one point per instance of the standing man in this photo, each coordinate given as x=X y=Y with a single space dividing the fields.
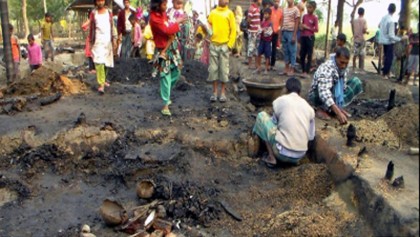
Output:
x=359 y=31
x=47 y=37
x=291 y=17
x=277 y=21
x=101 y=38
x=387 y=38
x=254 y=31
x=124 y=29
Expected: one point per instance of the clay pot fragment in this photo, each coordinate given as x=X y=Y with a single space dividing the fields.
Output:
x=162 y=225
x=85 y=232
x=161 y=211
x=113 y=213
x=157 y=233
x=145 y=189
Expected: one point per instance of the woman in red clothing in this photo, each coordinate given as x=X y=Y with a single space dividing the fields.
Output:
x=167 y=69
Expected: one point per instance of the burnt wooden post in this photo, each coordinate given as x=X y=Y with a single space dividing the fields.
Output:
x=391 y=100
x=7 y=46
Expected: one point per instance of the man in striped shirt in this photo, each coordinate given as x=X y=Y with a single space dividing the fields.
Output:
x=291 y=17
x=254 y=30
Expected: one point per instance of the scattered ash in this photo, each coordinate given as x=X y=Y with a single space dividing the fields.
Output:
x=15 y=185
x=195 y=71
x=46 y=155
x=193 y=204
x=370 y=108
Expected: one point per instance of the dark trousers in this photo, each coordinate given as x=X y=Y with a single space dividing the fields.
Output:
x=306 y=49
x=274 y=40
x=388 y=57
x=91 y=64
x=34 y=67
x=402 y=68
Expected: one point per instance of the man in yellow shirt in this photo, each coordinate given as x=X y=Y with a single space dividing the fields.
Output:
x=223 y=27
x=47 y=37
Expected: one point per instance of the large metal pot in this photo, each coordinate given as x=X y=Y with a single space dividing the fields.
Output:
x=264 y=92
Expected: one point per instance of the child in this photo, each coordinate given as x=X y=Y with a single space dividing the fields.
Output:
x=309 y=27
x=15 y=53
x=413 y=58
x=340 y=42
x=223 y=38
x=136 y=37
x=198 y=45
x=173 y=14
x=289 y=37
x=34 y=53
x=47 y=37
x=102 y=37
x=150 y=43
x=265 y=42
x=204 y=29
x=88 y=53
x=359 y=31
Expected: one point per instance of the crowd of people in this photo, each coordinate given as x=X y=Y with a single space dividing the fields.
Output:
x=169 y=37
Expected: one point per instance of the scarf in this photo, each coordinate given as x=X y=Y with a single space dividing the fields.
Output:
x=339 y=88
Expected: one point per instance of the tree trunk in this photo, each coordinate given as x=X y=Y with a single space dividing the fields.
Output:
x=45 y=6
x=353 y=12
x=404 y=20
x=7 y=46
x=327 y=46
x=340 y=15
x=25 y=18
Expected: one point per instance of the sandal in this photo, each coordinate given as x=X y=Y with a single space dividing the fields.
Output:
x=107 y=84
x=166 y=112
x=101 y=90
x=268 y=163
x=213 y=98
x=223 y=98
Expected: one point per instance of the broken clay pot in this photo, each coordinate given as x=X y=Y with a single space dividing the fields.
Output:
x=145 y=189
x=112 y=212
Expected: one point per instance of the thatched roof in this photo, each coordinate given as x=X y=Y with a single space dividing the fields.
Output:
x=85 y=5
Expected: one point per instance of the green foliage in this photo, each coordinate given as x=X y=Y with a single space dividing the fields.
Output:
x=415 y=11
x=35 y=9
x=319 y=14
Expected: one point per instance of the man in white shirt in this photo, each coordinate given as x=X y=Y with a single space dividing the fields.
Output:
x=287 y=133
x=387 y=38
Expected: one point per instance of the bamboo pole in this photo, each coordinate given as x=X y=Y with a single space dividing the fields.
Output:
x=327 y=46
x=7 y=46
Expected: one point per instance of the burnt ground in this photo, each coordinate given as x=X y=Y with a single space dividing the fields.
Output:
x=56 y=172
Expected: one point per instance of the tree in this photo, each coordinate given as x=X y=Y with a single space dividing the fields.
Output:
x=340 y=15
x=25 y=18
x=404 y=20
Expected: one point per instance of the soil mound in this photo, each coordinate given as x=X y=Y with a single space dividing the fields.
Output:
x=130 y=71
x=404 y=122
x=45 y=82
x=398 y=127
